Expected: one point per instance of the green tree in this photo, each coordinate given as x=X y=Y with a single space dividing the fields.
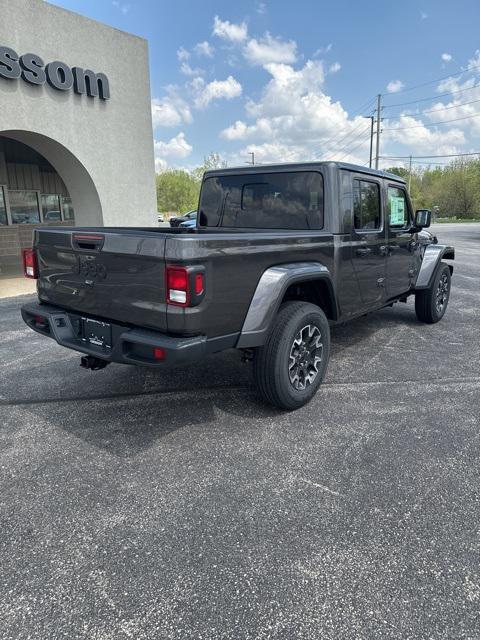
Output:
x=459 y=189
x=177 y=191
x=454 y=188
x=212 y=161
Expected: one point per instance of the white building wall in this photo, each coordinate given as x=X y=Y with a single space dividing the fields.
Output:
x=109 y=141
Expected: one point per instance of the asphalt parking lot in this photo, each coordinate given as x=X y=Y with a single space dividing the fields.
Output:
x=140 y=504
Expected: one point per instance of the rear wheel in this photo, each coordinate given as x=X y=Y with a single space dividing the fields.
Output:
x=431 y=303
x=291 y=365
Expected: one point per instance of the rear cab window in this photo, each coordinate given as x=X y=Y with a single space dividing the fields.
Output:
x=277 y=200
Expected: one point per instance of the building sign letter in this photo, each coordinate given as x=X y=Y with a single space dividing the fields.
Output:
x=33 y=70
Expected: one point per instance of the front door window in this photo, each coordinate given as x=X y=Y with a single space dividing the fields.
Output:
x=401 y=259
x=397 y=208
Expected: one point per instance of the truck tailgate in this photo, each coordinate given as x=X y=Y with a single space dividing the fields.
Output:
x=113 y=274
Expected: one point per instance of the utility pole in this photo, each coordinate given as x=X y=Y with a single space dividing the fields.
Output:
x=379 y=110
x=409 y=174
x=372 y=120
x=252 y=162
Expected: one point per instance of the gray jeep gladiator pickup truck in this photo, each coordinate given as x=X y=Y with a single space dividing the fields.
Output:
x=278 y=255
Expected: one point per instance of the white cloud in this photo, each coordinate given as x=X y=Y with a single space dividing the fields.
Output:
x=463 y=104
x=273 y=152
x=183 y=57
x=288 y=90
x=270 y=49
x=421 y=139
x=446 y=57
x=182 y=54
x=176 y=147
x=333 y=68
x=187 y=70
x=206 y=93
x=295 y=120
x=160 y=165
x=474 y=62
x=262 y=8
x=323 y=50
x=204 y=49
x=394 y=86
x=240 y=131
x=229 y=30
x=170 y=111
x=121 y=6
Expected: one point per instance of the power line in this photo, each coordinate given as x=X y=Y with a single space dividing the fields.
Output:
x=435 y=164
x=450 y=75
x=329 y=144
x=364 y=106
x=431 y=98
x=377 y=146
x=432 y=124
x=446 y=155
x=331 y=148
x=351 y=150
x=455 y=106
x=354 y=140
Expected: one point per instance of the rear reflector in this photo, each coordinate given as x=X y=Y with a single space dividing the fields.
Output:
x=29 y=263
x=159 y=353
x=198 y=284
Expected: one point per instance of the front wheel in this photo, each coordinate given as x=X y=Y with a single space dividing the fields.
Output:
x=290 y=366
x=431 y=303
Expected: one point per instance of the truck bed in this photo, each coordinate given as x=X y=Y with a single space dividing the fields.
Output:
x=120 y=274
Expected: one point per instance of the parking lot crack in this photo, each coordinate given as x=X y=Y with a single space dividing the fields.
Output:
x=322 y=487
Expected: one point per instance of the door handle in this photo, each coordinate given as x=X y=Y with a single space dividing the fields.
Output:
x=363 y=252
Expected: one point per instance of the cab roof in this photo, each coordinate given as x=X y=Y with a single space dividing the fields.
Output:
x=262 y=168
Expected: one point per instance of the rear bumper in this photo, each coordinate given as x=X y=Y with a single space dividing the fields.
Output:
x=129 y=346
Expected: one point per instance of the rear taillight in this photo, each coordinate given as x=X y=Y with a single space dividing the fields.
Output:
x=185 y=285
x=178 y=289
x=30 y=269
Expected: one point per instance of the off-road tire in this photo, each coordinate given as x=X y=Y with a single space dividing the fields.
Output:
x=272 y=365
x=427 y=301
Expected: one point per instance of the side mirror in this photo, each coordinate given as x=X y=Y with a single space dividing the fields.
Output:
x=423 y=217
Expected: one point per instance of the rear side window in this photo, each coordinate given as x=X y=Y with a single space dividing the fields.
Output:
x=366 y=205
x=286 y=200
x=397 y=208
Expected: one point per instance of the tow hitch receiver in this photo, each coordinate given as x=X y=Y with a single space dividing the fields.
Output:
x=90 y=362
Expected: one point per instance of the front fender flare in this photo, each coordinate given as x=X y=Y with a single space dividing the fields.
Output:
x=269 y=293
x=432 y=256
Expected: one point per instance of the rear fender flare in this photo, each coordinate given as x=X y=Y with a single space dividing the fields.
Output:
x=432 y=256
x=269 y=293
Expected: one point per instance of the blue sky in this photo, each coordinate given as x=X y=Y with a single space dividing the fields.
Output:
x=292 y=80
